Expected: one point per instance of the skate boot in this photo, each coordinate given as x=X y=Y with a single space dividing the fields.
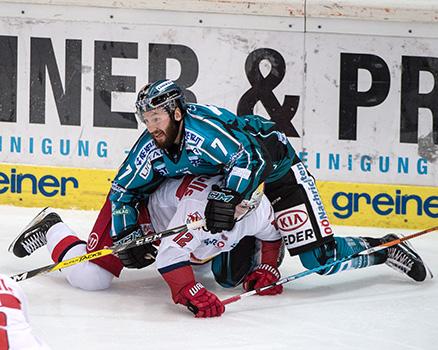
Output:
x=403 y=258
x=34 y=234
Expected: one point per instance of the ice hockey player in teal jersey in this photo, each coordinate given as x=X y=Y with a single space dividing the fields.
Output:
x=201 y=139
x=249 y=151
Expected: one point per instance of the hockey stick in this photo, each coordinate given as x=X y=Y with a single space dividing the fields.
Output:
x=107 y=251
x=334 y=263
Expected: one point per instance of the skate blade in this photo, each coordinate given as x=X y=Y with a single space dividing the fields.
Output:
x=37 y=218
x=409 y=244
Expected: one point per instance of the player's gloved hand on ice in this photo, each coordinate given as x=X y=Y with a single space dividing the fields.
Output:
x=220 y=209
x=263 y=275
x=200 y=301
x=137 y=257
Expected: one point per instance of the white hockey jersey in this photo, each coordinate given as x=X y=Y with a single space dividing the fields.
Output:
x=182 y=201
x=15 y=330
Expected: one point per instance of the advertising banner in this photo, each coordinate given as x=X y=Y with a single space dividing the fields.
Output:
x=372 y=109
x=68 y=90
x=42 y=186
x=359 y=105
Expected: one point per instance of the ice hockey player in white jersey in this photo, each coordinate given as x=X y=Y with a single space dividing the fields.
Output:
x=185 y=203
x=15 y=330
x=176 y=201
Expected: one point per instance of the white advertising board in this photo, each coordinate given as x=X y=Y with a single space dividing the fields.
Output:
x=358 y=107
x=353 y=84
x=69 y=89
x=372 y=108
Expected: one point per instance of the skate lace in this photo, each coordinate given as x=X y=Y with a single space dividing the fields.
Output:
x=400 y=259
x=35 y=241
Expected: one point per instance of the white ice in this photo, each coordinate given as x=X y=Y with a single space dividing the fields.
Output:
x=374 y=308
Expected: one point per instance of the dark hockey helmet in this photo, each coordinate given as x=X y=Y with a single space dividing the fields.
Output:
x=161 y=93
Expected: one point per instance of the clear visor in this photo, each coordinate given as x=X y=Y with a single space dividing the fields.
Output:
x=153 y=117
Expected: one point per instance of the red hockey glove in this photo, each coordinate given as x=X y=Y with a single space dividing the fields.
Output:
x=200 y=301
x=263 y=275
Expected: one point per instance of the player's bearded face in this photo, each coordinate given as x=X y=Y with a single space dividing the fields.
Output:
x=162 y=127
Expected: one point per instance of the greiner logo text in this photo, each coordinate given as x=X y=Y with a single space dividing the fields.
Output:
x=346 y=204
x=47 y=185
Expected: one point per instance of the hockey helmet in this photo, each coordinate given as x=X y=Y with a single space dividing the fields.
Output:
x=161 y=93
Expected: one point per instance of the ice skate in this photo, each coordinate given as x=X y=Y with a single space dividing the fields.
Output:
x=34 y=234
x=403 y=258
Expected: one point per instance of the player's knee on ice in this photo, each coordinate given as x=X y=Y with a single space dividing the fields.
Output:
x=230 y=268
x=87 y=275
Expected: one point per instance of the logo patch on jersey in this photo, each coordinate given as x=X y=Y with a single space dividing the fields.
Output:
x=295 y=227
x=193 y=217
x=240 y=172
x=292 y=219
x=93 y=239
x=143 y=155
x=146 y=170
x=193 y=139
x=194 y=160
x=315 y=200
x=117 y=188
x=233 y=158
x=299 y=238
x=121 y=211
x=213 y=241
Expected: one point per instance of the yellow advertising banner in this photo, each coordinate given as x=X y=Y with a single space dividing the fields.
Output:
x=353 y=204
x=380 y=205
x=39 y=186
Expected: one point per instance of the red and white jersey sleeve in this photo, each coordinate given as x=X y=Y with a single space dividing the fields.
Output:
x=15 y=330
x=200 y=245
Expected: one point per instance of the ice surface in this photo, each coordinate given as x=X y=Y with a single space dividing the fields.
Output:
x=375 y=308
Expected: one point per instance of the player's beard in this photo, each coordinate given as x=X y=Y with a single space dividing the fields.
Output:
x=166 y=137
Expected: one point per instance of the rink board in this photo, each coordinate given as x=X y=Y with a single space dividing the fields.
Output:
x=352 y=204
x=355 y=96
x=31 y=186
x=354 y=86
x=397 y=206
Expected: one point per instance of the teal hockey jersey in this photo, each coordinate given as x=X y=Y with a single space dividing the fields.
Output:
x=246 y=150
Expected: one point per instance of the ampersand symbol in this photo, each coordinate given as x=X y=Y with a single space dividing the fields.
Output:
x=262 y=87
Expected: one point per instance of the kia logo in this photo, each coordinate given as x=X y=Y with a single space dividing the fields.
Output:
x=292 y=219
